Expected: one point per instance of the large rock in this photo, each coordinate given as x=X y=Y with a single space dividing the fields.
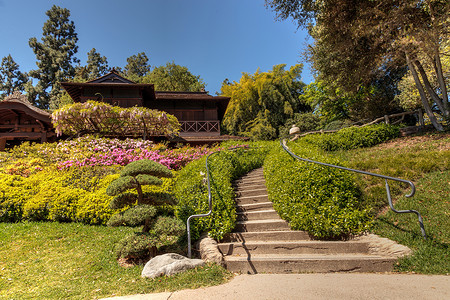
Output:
x=209 y=250
x=169 y=264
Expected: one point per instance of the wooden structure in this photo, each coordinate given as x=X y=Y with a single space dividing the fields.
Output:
x=199 y=113
x=19 y=119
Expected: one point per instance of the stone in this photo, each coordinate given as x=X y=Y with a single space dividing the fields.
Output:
x=209 y=251
x=169 y=264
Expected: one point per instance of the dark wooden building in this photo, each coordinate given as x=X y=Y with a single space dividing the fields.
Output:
x=20 y=120
x=199 y=113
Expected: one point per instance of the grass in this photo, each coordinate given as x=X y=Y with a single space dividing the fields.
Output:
x=76 y=261
x=426 y=161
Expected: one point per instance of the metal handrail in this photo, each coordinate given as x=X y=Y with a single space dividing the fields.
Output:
x=386 y=178
x=188 y=227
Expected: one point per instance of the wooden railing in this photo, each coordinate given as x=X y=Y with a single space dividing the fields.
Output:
x=200 y=126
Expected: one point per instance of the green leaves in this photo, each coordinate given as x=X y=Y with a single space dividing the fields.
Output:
x=146 y=166
x=262 y=102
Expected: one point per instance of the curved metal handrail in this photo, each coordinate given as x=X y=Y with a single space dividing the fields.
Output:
x=188 y=227
x=386 y=178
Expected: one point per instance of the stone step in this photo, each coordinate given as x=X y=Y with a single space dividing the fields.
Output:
x=294 y=247
x=320 y=263
x=284 y=235
x=257 y=215
x=252 y=199
x=254 y=206
x=249 y=181
x=261 y=225
x=247 y=192
x=251 y=186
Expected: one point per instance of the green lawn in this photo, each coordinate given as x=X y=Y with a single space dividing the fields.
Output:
x=75 y=261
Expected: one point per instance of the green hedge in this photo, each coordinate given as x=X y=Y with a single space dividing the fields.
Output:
x=354 y=137
x=321 y=200
x=191 y=189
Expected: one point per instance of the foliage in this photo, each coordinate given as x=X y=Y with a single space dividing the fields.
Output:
x=137 y=174
x=263 y=101
x=11 y=78
x=97 y=66
x=356 y=41
x=76 y=195
x=137 y=67
x=304 y=121
x=354 y=137
x=134 y=216
x=104 y=119
x=55 y=55
x=83 y=264
x=321 y=200
x=191 y=190
x=173 y=77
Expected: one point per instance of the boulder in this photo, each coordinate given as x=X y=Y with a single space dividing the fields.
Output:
x=169 y=264
x=209 y=250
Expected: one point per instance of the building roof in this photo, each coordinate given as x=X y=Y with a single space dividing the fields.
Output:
x=18 y=102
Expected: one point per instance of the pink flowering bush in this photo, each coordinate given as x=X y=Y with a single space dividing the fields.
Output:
x=89 y=151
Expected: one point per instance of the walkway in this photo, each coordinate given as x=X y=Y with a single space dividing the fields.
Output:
x=317 y=286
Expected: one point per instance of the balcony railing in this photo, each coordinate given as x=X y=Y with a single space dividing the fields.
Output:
x=200 y=126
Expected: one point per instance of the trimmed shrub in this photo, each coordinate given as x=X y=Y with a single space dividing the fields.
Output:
x=354 y=137
x=321 y=200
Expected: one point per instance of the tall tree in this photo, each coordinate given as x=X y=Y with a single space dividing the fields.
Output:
x=54 y=54
x=355 y=40
x=137 y=67
x=97 y=66
x=11 y=78
x=173 y=77
x=262 y=102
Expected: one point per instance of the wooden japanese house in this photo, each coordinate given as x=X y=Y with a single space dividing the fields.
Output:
x=199 y=113
x=20 y=120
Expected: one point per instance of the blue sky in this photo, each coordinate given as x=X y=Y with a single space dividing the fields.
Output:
x=215 y=39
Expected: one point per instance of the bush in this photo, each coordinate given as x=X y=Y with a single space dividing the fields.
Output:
x=321 y=200
x=354 y=137
x=304 y=121
x=191 y=190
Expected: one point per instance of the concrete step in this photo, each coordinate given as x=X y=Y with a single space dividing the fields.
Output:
x=261 y=225
x=247 y=181
x=294 y=247
x=284 y=235
x=247 y=192
x=252 y=199
x=320 y=263
x=254 y=206
x=251 y=186
x=257 y=215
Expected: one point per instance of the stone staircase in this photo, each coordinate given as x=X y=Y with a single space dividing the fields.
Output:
x=263 y=243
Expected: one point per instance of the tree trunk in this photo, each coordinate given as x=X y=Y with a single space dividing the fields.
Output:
x=140 y=194
x=430 y=90
x=423 y=96
x=438 y=69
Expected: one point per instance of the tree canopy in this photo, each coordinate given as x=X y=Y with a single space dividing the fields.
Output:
x=357 y=41
x=173 y=77
x=262 y=102
x=55 y=56
x=137 y=67
x=11 y=78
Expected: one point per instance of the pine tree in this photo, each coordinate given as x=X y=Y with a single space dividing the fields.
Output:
x=54 y=54
x=97 y=66
x=11 y=79
x=137 y=67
